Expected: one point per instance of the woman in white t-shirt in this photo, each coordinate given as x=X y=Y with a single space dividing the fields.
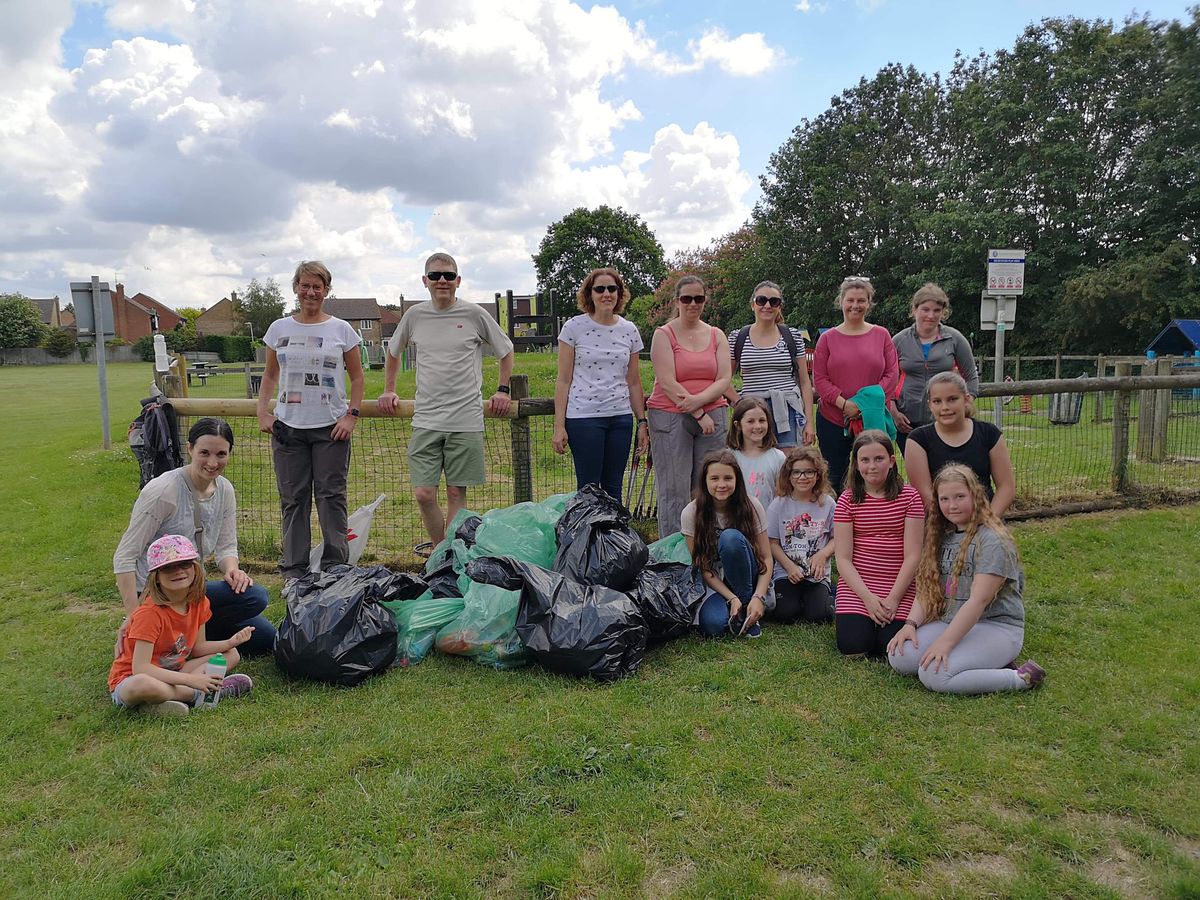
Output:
x=599 y=393
x=309 y=354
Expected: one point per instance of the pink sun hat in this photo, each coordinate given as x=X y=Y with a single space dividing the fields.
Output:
x=170 y=548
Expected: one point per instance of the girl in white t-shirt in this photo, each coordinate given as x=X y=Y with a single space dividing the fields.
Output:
x=752 y=439
x=599 y=393
x=800 y=530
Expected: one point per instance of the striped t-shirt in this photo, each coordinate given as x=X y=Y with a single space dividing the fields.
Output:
x=878 y=546
x=766 y=369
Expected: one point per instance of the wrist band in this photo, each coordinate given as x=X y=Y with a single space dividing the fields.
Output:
x=503 y=389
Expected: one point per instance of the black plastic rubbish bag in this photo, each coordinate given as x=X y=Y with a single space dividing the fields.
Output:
x=335 y=628
x=596 y=544
x=466 y=531
x=570 y=628
x=668 y=594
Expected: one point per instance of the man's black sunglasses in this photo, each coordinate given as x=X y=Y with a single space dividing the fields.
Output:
x=441 y=276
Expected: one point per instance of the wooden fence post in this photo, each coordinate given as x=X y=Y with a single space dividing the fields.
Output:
x=1120 y=446
x=522 y=455
x=1058 y=365
x=1145 y=416
x=1016 y=361
x=1101 y=368
x=1162 y=415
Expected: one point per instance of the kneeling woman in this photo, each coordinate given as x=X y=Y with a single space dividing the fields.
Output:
x=197 y=501
x=726 y=532
x=968 y=622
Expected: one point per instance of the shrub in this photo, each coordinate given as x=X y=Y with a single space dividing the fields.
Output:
x=145 y=348
x=59 y=342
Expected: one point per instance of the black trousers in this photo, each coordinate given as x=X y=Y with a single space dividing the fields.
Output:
x=806 y=601
x=857 y=634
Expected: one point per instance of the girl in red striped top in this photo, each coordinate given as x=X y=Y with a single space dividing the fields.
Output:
x=877 y=533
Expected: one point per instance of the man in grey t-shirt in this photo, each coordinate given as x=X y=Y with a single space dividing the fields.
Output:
x=449 y=337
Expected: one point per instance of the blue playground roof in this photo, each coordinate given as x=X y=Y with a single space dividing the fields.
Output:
x=1180 y=338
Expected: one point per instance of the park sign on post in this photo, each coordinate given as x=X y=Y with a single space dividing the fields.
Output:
x=1006 y=272
x=91 y=300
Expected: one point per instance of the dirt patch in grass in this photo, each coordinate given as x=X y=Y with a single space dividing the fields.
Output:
x=80 y=607
x=666 y=882
x=1119 y=871
x=806 y=882
x=973 y=869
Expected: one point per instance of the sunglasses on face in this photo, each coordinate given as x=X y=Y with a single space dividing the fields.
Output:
x=773 y=302
x=441 y=276
x=691 y=298
x=176 y=566
x=604 y=288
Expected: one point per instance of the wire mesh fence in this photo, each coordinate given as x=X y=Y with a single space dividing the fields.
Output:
x=1089 y=447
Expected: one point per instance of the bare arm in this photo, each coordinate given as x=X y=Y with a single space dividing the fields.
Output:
x=143 y=664
x=914 y=537
x=662 y=359
x=1003 y=476
x=344 y=427
x=205 y=647
x=127 y=587
x=562 y=389
x=916 y=465
x=637 y=400
x=266 y=392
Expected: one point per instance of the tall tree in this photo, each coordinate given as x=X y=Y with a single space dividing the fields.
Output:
x=20 y=322
x=587 y=239
x=260 y=304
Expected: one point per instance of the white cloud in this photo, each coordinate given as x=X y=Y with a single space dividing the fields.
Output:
x=265 y=133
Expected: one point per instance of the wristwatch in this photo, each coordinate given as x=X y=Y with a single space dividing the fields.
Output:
x=503 y=389
x=354 y=411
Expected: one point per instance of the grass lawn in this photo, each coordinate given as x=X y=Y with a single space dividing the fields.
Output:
x=757 y=768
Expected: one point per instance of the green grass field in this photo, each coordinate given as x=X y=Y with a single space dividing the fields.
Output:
x=768 y=768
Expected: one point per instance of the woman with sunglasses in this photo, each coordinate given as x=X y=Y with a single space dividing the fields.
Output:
x=599 y=388
x=687 y=407
x=848 y=358
x=770 y=355
x=197 y=501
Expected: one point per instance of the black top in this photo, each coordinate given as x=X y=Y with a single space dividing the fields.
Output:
x=973 y=453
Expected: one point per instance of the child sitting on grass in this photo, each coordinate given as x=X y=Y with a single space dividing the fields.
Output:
x=161 y=664
x=968 y=622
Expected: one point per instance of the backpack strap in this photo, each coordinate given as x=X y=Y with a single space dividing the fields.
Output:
x=789 y=340
x=739 y=343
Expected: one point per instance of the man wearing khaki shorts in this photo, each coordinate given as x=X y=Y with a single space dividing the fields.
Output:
x=449 y=337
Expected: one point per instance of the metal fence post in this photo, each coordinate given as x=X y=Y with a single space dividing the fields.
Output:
x=1120 y=447
x=522 y=455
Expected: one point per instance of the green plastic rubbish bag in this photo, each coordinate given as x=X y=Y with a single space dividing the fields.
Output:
x=418 y=622
x=556 y=504
x=672 y=548
x=486 y=629
x=524 y=531
x=459 y=522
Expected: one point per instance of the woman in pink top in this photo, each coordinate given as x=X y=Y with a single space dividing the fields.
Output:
x=847 y=359
x=692 y=370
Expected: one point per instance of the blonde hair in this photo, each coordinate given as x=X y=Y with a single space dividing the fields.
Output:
x=931 y=292
x=312 y=267
x=195 y=593
x=850 y=282
x=931 y=593
x=821 y=486
x=955 y=380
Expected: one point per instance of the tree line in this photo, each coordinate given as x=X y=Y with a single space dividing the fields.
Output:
x=1080 y=144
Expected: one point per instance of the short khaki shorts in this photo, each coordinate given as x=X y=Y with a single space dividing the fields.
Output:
x=457 y=453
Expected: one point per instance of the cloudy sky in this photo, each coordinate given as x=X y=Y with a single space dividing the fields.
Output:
x=187 y=146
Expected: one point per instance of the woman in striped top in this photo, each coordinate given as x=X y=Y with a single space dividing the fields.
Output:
x=771 y=370
x=877 y=534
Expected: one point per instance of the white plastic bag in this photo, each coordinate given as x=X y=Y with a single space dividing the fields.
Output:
x=358 y=527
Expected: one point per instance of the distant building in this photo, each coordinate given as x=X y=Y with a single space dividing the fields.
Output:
x=51 y=314
x=365 y=317
x=141 y=315
x=221 y=318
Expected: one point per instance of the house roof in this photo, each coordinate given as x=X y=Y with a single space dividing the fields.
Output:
x=149 y=305
x=353 y=307
x=46 y=308
x=1181 y=336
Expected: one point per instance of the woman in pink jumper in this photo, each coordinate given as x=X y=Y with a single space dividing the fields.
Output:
x=847 y=359
x=692 y=370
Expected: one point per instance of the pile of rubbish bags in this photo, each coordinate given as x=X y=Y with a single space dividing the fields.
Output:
x=565 y=583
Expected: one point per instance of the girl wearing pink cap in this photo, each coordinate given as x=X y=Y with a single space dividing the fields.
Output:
x=163 y=652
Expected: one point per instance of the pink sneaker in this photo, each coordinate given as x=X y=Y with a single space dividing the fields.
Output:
x=233 y=686
x=1031 y=673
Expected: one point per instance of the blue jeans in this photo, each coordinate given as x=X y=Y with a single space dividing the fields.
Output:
x=232 y=612
x=739 y=567
x=600 y=450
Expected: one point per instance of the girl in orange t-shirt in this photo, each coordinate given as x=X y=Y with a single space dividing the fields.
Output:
x=161 y=664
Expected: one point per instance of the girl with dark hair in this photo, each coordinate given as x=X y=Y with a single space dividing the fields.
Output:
x=197 y=501
x=800 y=530
x=598 y=393
x=752 y=440
x=687 y=406
x=968 y=622
x=726 y=532
x=877 y=539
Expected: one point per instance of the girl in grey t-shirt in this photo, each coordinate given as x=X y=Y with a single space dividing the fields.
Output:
x=967 y=624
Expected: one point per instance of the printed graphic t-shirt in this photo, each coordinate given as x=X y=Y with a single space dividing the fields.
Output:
x=172 y=634
x=312 y=370
x=803 y=529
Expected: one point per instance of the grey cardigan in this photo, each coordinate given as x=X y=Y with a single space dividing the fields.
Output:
x=948 y=348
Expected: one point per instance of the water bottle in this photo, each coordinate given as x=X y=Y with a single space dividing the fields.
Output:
x=214 y=666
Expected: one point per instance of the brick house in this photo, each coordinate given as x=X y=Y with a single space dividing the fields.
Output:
x=51 y=314
x=140 y=315
x=364 y=316
x=221 y=318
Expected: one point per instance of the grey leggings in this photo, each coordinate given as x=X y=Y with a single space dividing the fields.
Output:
x=975 y=664
x=678 y=447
